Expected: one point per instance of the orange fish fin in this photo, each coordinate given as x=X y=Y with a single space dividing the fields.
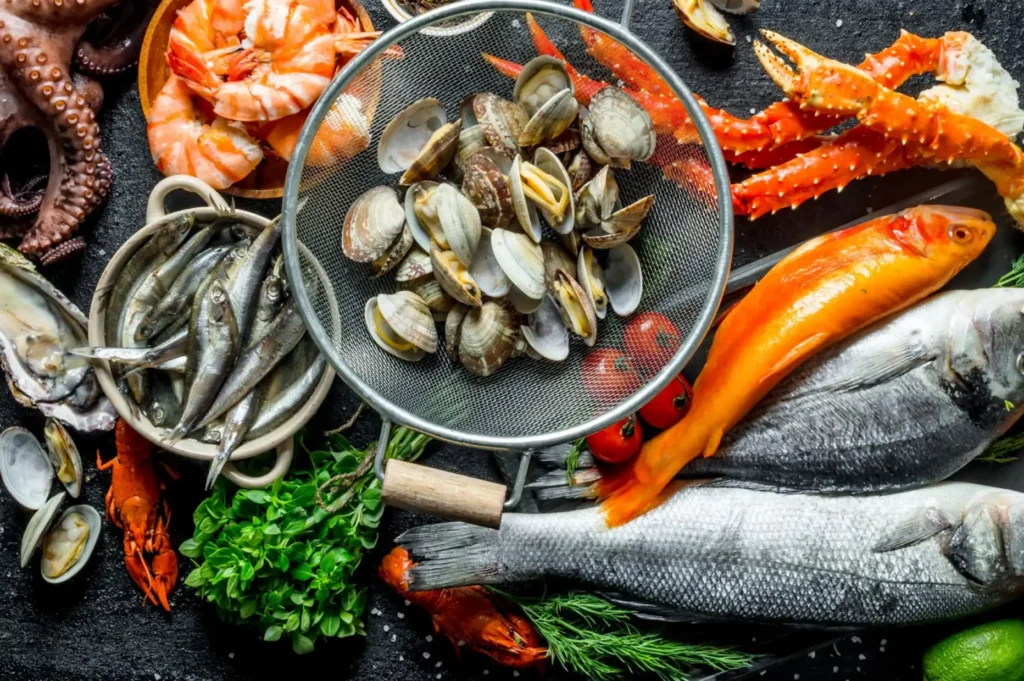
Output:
x=613 y=480
x=712 y=444
x=798 y=354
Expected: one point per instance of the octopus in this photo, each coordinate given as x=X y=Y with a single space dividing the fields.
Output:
x=50 y=53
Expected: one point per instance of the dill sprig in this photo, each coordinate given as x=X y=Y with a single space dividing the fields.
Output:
x=572 y=460
x=1014 y=278
x=1003 y=449
x=594 y=638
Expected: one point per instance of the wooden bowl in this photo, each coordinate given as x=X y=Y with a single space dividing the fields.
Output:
x=267 y=180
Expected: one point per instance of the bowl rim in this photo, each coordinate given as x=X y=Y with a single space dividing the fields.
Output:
x=192 y=449
x=456 y=27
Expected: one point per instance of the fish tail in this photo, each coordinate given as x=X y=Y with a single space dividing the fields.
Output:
x=454 y=554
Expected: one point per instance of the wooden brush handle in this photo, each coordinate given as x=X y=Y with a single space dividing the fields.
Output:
x=445 y=495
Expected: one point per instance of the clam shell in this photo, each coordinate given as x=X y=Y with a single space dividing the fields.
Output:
x=410 y=317
x=545 y=334
x=591 y=278
x=373 y=222
x=460 y=222
x=549 y=163
x=624 y=280
x=25 y=468
x=393 y=255
x=737 y=6
x=467 y=112
x=408 y=133
x=37 y=526
x=521 y=260
x=620 y=127
x=453 y=328
x=525 y=211
x=416 y=264
x=427 y=288
x=501 y=120
x=540 y=79
x=486 y=271
x=556 y=258
x=571 y=242
x=454 y=277
x=591 y=146
x=64 y=456
x=580 y=170
x=471 y=141
x=522 y=302
x=420 y=209
x=702 y=17
x=551 y=120
x=622 y=226
x=488 y=338
x=568 y=140
x=574 y=306
x=413 y=354
x=597 y=198
x=435 y=155
x=93 y=522
x=487 y=187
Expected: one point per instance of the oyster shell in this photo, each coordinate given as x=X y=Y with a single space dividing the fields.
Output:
x=373 y=222
x=486 y=185
x=617 y=130
x=454 y=277
x=624 y=281
x=401 y=324
x=70 y=543
x=393 y=255
x=545 y=334
x=488 y=337
x=592 y=280
x=25 y=468
x=37 y=526
x=64 y=456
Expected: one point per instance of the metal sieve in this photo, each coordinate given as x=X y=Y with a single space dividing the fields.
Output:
x=684 y=246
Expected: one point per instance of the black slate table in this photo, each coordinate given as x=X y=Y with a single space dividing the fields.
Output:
x=99 y=628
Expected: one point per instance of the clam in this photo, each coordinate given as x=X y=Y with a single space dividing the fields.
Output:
x=737 y=6
x=525 y=211
x=418 y=141
x=486 y=271
x=617 y=130
x=502 y=121
x=421 y=214
x=580 y=170
x=64 y=456
x=702 y=17
x=460 y=222
x=486 y=185
x=624 y=281
x=401 y=324
x=395 y=253
x=545 y=334
x=556 y=258
x=416 y=264
x=26 y=471
x=37 y=526
x=69 y=544
x=571 y=242
x=575 y=308
x=546 y=93
x=592 y=280
x=596 y=200
x=471 y=140
x=621 y=226
x=427 y=288
x=453 y=328
x=373 y=222
x=547 y=184
x=454 y=277
x=488 y=337
x=567 y=141
x=522 y=261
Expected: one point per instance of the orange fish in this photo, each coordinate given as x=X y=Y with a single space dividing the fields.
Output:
x=820 y=293
x=469 y=614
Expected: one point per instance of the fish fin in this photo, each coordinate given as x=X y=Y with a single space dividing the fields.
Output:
x=913 y=530
x=454 y=554
x=653 y=612
x=796 y=355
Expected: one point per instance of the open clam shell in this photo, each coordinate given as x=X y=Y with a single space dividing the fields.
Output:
x=622 y=226
x=624 y=281
x=471 y=141
x=37 y=526
x=545 y=334
x=488 y=338
x=596 y=200
x=525 y=211
x=373 y=222
x=435 y=155
x=64 y=456
x=460 y=222
x=551 y=120
x=421 y=214
x=393 y=255
x=486 y=185
x=427 y=288
x=702 y=17
x=486 y=271
x=407 y=137
x=454 y=277
x=556 y=258
x=69 y=543
x=580 y=170
x=617 y=130
x=575 y=308
x=453 y=328
x=389 y=339
x=25 y=468
x=415 y=265
x=548 y=163
x=521 y=260
x=592 y=280
x=502 y=121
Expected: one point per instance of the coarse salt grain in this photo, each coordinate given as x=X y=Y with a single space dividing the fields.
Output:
x=839 y=23
x=861 y=657
x=387 y=628
x=884 y=642
x=401 y=615
x=429 y=638
x=749 y=39
x=438 y=665
x=426 y=656
x=515 y=22
x=394 y=637
x=407 y=604
x=515 y=674
x=231 y=656
x=812 y=654
x=156 y=676
x=855 y=639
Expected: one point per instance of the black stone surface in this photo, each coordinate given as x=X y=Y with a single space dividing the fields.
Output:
x=98 y=628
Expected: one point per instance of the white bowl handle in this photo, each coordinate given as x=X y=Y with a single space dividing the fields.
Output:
x=156 y=209
x=285 y=451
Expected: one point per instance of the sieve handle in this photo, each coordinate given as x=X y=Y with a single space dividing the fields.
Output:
x=442 y=494
x=156 y=209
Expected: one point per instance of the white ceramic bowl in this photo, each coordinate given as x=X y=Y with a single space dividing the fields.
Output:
x=455 y=27
x=280 y=437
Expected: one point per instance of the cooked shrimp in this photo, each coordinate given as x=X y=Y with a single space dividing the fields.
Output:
x=343 y=133
x=283 y=62
x=219 y=153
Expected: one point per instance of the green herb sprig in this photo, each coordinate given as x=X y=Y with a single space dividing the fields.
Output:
x=1003 y=449
x=596 y=639
x=276 y=559
x=572 y=460
x=1014 y=278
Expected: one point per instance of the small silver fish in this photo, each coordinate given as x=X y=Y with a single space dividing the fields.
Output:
x=246 y=281
x=144 y=358
x=280 y=408
x=713 y=552
x=180 y=295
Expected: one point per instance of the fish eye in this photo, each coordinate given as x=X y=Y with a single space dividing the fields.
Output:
x=960 y=234
x=1020 y=363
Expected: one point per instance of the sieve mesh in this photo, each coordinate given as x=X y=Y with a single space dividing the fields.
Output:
x=680 y=246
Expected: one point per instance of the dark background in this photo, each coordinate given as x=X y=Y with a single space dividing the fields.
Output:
x=98 y=628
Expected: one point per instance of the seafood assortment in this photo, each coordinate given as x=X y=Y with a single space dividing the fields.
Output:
x=205 y=322
x=523 y=252
x=243 y=78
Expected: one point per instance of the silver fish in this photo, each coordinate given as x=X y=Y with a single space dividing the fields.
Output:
x=143 y=358
x=164 y=407
x=180 y=295
x=246 y=281
x=714 y=552
x=279 y=409
x=903 y=404
x=155 y=286
x=212 y=346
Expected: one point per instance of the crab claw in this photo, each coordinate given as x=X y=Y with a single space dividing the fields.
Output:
x=816 y=82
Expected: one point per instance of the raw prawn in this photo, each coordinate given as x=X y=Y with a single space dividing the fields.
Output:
x=469 y=614
x=822 y=292
x=182 y=142
x=280 y=67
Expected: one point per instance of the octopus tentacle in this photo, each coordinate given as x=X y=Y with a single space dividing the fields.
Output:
x=24 y=201
x=117 y=48
x=62 y=250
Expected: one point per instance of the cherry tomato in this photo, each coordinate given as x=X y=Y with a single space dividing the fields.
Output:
x=618 y=442
x=668 y=406
x=609 y=376
x=651 y=340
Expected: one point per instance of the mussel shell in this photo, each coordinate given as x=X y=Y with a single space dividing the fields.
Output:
x=435 y=155
x=624 y=281
x=525 y=211
x=486 y=271
x=453 y=328
x=408 y=133
x=427 y=288
x=72 y=567
x=574 y=306
x=556 y=258
x=591 y=278
x=488 y=338
x=460 y=222
x=393 y=255
x=415 y=265
x=550 y=164
x=64 y=456
x=621 y=127
x=413 y=354
x=373 y=222
x=37 y=526
x=487 y=187
x=622 y=226
x=521 y=260
x=454 y=277
x=545 y=334
x=551 y=120
x=424 y=193
x=501 y=120
x=25 y=468
x=409 y=316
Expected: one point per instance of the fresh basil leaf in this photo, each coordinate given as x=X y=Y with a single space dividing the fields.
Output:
x=328 y=562
x=302 y=572
x=329 y=625
x=302 y=644
x=247 y=609
x=247 y=572
x=304 y=620
x=292 y=623
x=296 y=598
x=195 y=578
x=257 y=496
x=273 y=633
x=271 y=530
x=190 y=548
